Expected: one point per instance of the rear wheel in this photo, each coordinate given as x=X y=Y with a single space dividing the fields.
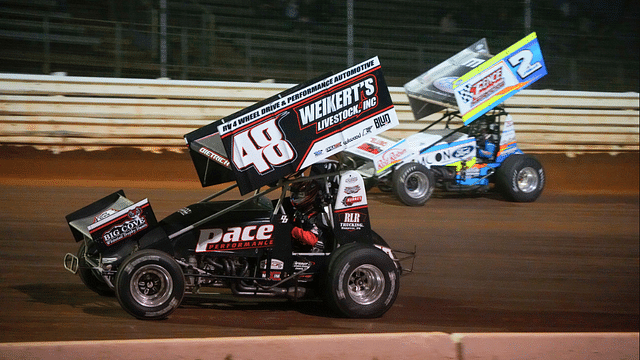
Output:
x=363 y=282
x=150 y=284
x=520 y=178
x=413 y=184
x=91 y=278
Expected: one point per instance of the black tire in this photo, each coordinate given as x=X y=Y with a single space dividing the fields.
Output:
x=413 y=184
x=150 y=284
x=520 y=178
x=362 y=281
x=91 y=278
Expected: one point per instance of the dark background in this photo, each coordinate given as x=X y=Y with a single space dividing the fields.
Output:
x=589 y=45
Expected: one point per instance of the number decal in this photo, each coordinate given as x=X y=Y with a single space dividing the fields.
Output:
x=523 y=61
x=262 y=146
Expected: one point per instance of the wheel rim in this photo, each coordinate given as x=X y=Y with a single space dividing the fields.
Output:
x=366 y=284
x=151 y=285
x=527 y=180
x=417 y=184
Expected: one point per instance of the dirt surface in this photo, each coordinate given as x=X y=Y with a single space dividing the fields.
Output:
x=565 y=263
x=593 y=173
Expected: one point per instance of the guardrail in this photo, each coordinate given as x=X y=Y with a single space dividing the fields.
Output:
x=62 y=113
x=427 y=346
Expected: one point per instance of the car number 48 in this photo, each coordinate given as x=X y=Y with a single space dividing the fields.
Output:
x=262 y=146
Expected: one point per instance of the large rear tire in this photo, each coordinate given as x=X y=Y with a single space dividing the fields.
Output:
x=413 y=184
x=150 y=284
x=91 y=278
x=362 y=281
x=520 y=178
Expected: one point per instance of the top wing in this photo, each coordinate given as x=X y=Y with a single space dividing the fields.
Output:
x=294 y=129
x=499 y=78
x=474 y=81
x=433 y=90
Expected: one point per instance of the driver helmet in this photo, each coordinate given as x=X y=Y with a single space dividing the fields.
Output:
x=303 y=195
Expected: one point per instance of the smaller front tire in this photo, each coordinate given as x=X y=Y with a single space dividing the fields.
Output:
x=363 y=282
x=520 y=178
x=413 y=184
x=150 y=284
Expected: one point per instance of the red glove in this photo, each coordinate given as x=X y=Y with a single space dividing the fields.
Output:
x=305 y=237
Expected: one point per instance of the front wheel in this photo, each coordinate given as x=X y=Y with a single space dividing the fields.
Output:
x=150 y=284
x=363 y=282
x=520 y=178
x=413 y=184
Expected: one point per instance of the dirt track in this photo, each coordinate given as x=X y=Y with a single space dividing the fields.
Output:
x=567 y=262
x=593 y=173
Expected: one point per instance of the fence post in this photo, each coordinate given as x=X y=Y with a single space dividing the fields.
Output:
x=309 y=57
x=154 y=34
x=118 y=69
x=46 y=65
x=204 y=43
x=212 y=39
x=163 y=38
x=184 y=49
x=247 y=59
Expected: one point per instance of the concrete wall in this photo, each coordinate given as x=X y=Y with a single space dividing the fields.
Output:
x=424 y=346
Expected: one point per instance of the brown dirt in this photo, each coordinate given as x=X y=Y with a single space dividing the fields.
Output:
x=592 y=173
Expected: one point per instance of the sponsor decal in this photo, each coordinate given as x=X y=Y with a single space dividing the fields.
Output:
x=277 y=264
x=214 y=156
x=382 y=121
x=390 y=157
x=135 y=223
x=462 y=152
x=352 y=221
x=273 y=275
x=480 y=90
x=302 y=265
x=446 y=155
x=378 y=141
x=334 y=146
x=350 y=200
x=351 y=139
x=235 y=238
x=370 y=148
x=352 y=189
x=341 y=105
x=351 y=179
x=445 y=84
x=105 y=214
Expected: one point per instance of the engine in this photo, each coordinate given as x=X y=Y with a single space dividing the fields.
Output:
x=244 y=276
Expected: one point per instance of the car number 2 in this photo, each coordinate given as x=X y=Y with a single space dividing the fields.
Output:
x=523 y=61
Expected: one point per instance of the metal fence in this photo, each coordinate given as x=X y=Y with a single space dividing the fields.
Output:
x=209 y=46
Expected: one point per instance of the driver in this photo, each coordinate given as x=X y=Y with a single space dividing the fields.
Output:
x=485 y=139
x=307 y=215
